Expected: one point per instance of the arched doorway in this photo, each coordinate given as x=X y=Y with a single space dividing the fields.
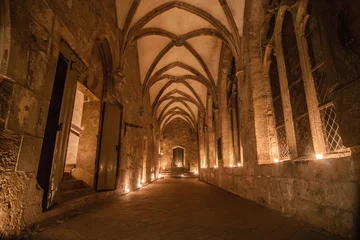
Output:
x=178 y=157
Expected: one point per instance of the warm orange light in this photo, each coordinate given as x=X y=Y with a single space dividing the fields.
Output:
x=276 y=160
x=319 y=156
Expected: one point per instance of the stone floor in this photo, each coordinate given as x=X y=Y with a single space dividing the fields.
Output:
x=180 y=209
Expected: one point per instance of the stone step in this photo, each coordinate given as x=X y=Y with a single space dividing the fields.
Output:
x=67 y=176
x=71 y=194
x=71 y=184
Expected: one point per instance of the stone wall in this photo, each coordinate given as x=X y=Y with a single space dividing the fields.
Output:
x=136 y=111
x=37 y=29
x=178 y=134
x=322 y=192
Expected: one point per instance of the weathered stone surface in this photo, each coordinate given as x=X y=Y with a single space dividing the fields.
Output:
x=179 y=134
x=9 y=148
x=6 y=90
x=29 y=154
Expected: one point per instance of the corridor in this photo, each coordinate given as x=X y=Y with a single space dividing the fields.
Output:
x=180 y=209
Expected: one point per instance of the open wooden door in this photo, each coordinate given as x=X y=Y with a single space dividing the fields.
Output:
x=62 y=136
x=109 y=148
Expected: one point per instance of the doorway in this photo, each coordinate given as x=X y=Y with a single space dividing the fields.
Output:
x=178 y=157
x=79 y=170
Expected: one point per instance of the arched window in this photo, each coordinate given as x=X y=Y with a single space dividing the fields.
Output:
x=299 y=107
x=323 y=84
x=284 y=152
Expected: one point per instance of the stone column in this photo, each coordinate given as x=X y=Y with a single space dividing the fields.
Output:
x=145 y=155
x=201 y=141
x=206 y=145
x=211 y=134
x=227 y=146
x=235 y=128
x=240 y=75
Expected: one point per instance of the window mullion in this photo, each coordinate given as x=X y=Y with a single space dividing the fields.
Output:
x=288 y=119
x=310 y=92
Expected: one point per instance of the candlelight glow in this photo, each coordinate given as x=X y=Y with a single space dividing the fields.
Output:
x=276 y=160
x=319 y=156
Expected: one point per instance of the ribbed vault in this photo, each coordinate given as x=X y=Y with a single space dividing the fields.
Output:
x=179 y=44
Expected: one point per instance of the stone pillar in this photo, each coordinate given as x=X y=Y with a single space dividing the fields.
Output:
x=201 y=141
x=235 y=125
x=206 y=145
x=145 y=155
x=240 y=75
x=227 y=146
x=211 y=134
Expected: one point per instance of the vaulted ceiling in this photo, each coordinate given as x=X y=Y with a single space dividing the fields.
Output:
x=179 y=44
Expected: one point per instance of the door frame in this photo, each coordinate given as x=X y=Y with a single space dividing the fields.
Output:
x=97 y=164
x=184 y=159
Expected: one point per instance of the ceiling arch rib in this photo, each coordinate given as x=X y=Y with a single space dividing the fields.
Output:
x=163 y=127
x=169 y=117
x=212 y=6
x=195 y=96
x=173 y=117
x=178 y=53
x=180 y=111
x=174 y=100
x=187 y=78
x=179 y=44
x=144 y=32
x=182 y=97
x=175 y=85
x=176 y=103
x=129 y=34
x=149 y=82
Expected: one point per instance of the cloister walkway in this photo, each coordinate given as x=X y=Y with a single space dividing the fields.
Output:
x=180 y=209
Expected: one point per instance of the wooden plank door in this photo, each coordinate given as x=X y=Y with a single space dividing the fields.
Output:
x=109 y=148
x=62 y=135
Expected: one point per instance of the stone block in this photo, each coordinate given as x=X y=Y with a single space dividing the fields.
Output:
x=9 y=149
x=19 y=57
x=29 y=154
x=24 y=111
x=39 y=37
x=6 y=90
x=42 y=12
x=37 y=70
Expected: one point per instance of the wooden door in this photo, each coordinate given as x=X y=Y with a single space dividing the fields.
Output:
x=109 y=148
x=62 y=135
x=178 y=157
